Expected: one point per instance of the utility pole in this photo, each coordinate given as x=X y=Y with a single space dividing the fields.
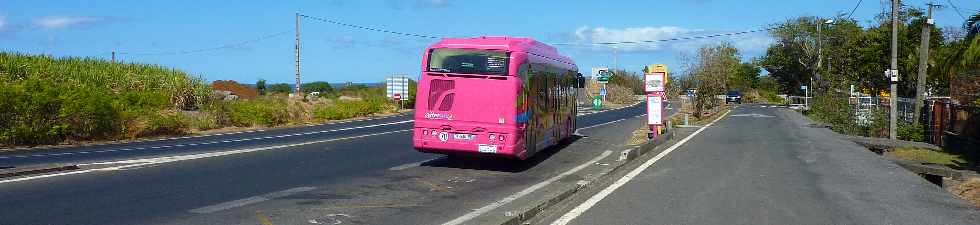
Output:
x=298 y=93
x=920 y=86
x=113 y=56
x=893 y=118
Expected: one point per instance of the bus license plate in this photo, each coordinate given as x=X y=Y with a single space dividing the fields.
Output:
x=484 y=148
x=468 y=137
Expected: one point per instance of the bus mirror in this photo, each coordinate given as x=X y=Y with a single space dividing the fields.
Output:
x=580 y=81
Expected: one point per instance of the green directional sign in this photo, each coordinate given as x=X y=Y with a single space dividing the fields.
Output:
x=597 y=102
x=603 y=78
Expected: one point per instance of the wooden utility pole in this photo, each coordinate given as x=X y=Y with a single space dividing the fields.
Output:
x=893 y=116
x=920 y=86
x=298 y=93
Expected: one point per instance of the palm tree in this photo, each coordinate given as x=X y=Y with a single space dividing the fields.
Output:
x=964 y=54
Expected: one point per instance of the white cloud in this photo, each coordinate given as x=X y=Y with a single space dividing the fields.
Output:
x=636 y=34
x=54 y=22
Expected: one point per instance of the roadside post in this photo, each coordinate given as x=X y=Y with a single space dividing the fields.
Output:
x=655 y=80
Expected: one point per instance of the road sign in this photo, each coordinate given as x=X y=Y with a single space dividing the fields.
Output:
x=602 y=91
x=803 y=87
x=397 y=96
x=396 y=84
x=602 y=75
x=654 y=110
x=655 y=82
x=597 y=102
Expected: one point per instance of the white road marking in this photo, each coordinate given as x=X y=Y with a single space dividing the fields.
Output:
x=249 y=200
x=594 y=112
x=411 y=165
x=753 y=115
x=168 y=159
x=598 y=125
x=522 y=193
x=580 y=209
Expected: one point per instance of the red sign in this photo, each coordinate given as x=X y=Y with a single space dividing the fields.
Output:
x=397 y=96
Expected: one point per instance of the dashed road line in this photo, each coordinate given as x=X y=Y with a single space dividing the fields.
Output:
x=249 y=200
x=412 y=165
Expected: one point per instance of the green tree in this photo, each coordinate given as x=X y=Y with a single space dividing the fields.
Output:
x=745 y=77
x=710 y=71
x=280 y=88
x=260 y=85
x=629 y=80
x=319 y=86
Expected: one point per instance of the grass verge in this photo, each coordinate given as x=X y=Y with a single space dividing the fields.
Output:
x=926 y=155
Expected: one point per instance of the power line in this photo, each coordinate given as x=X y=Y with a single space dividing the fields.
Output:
x=599 y=43
x=957 y=9
x=368 y=28
x=854 y=9
x=673 y=39
x=221 y=47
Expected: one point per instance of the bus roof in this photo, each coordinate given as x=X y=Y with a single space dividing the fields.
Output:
x=519 y=44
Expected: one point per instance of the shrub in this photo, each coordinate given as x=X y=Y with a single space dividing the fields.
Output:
x=263 y=111
x=910 y=132
x=343 y=109
x=165 y=123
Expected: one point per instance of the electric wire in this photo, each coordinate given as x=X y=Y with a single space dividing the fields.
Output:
x=596 y=43
x=854 y=9
x=201 y=50
x=368 y=28
x=956 y=9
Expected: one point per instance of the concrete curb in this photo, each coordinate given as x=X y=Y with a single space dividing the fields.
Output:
x=626 y=156
x=883 y=143
x=933 y=169
x=35 y=169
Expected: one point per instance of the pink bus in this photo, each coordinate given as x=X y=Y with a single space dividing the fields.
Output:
x=495 y=96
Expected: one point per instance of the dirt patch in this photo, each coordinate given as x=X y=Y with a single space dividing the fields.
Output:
x=968 y=190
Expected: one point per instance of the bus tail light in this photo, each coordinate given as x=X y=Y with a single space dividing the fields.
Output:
x=425 y=132
x=492 y=137
x=501 y=137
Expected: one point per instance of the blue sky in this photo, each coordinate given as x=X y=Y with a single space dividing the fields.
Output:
x=167 y=32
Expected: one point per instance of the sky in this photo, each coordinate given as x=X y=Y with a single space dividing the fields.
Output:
x=250 y=40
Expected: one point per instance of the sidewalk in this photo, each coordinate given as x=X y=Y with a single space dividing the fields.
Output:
x=770 y=169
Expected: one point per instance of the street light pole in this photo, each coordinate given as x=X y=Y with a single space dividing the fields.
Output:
x=806 y=99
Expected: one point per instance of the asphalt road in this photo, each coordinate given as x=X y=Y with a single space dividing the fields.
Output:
x=765 y=165
x=361 y=172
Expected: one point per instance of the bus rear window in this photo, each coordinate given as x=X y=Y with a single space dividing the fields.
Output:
x=468 y=61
